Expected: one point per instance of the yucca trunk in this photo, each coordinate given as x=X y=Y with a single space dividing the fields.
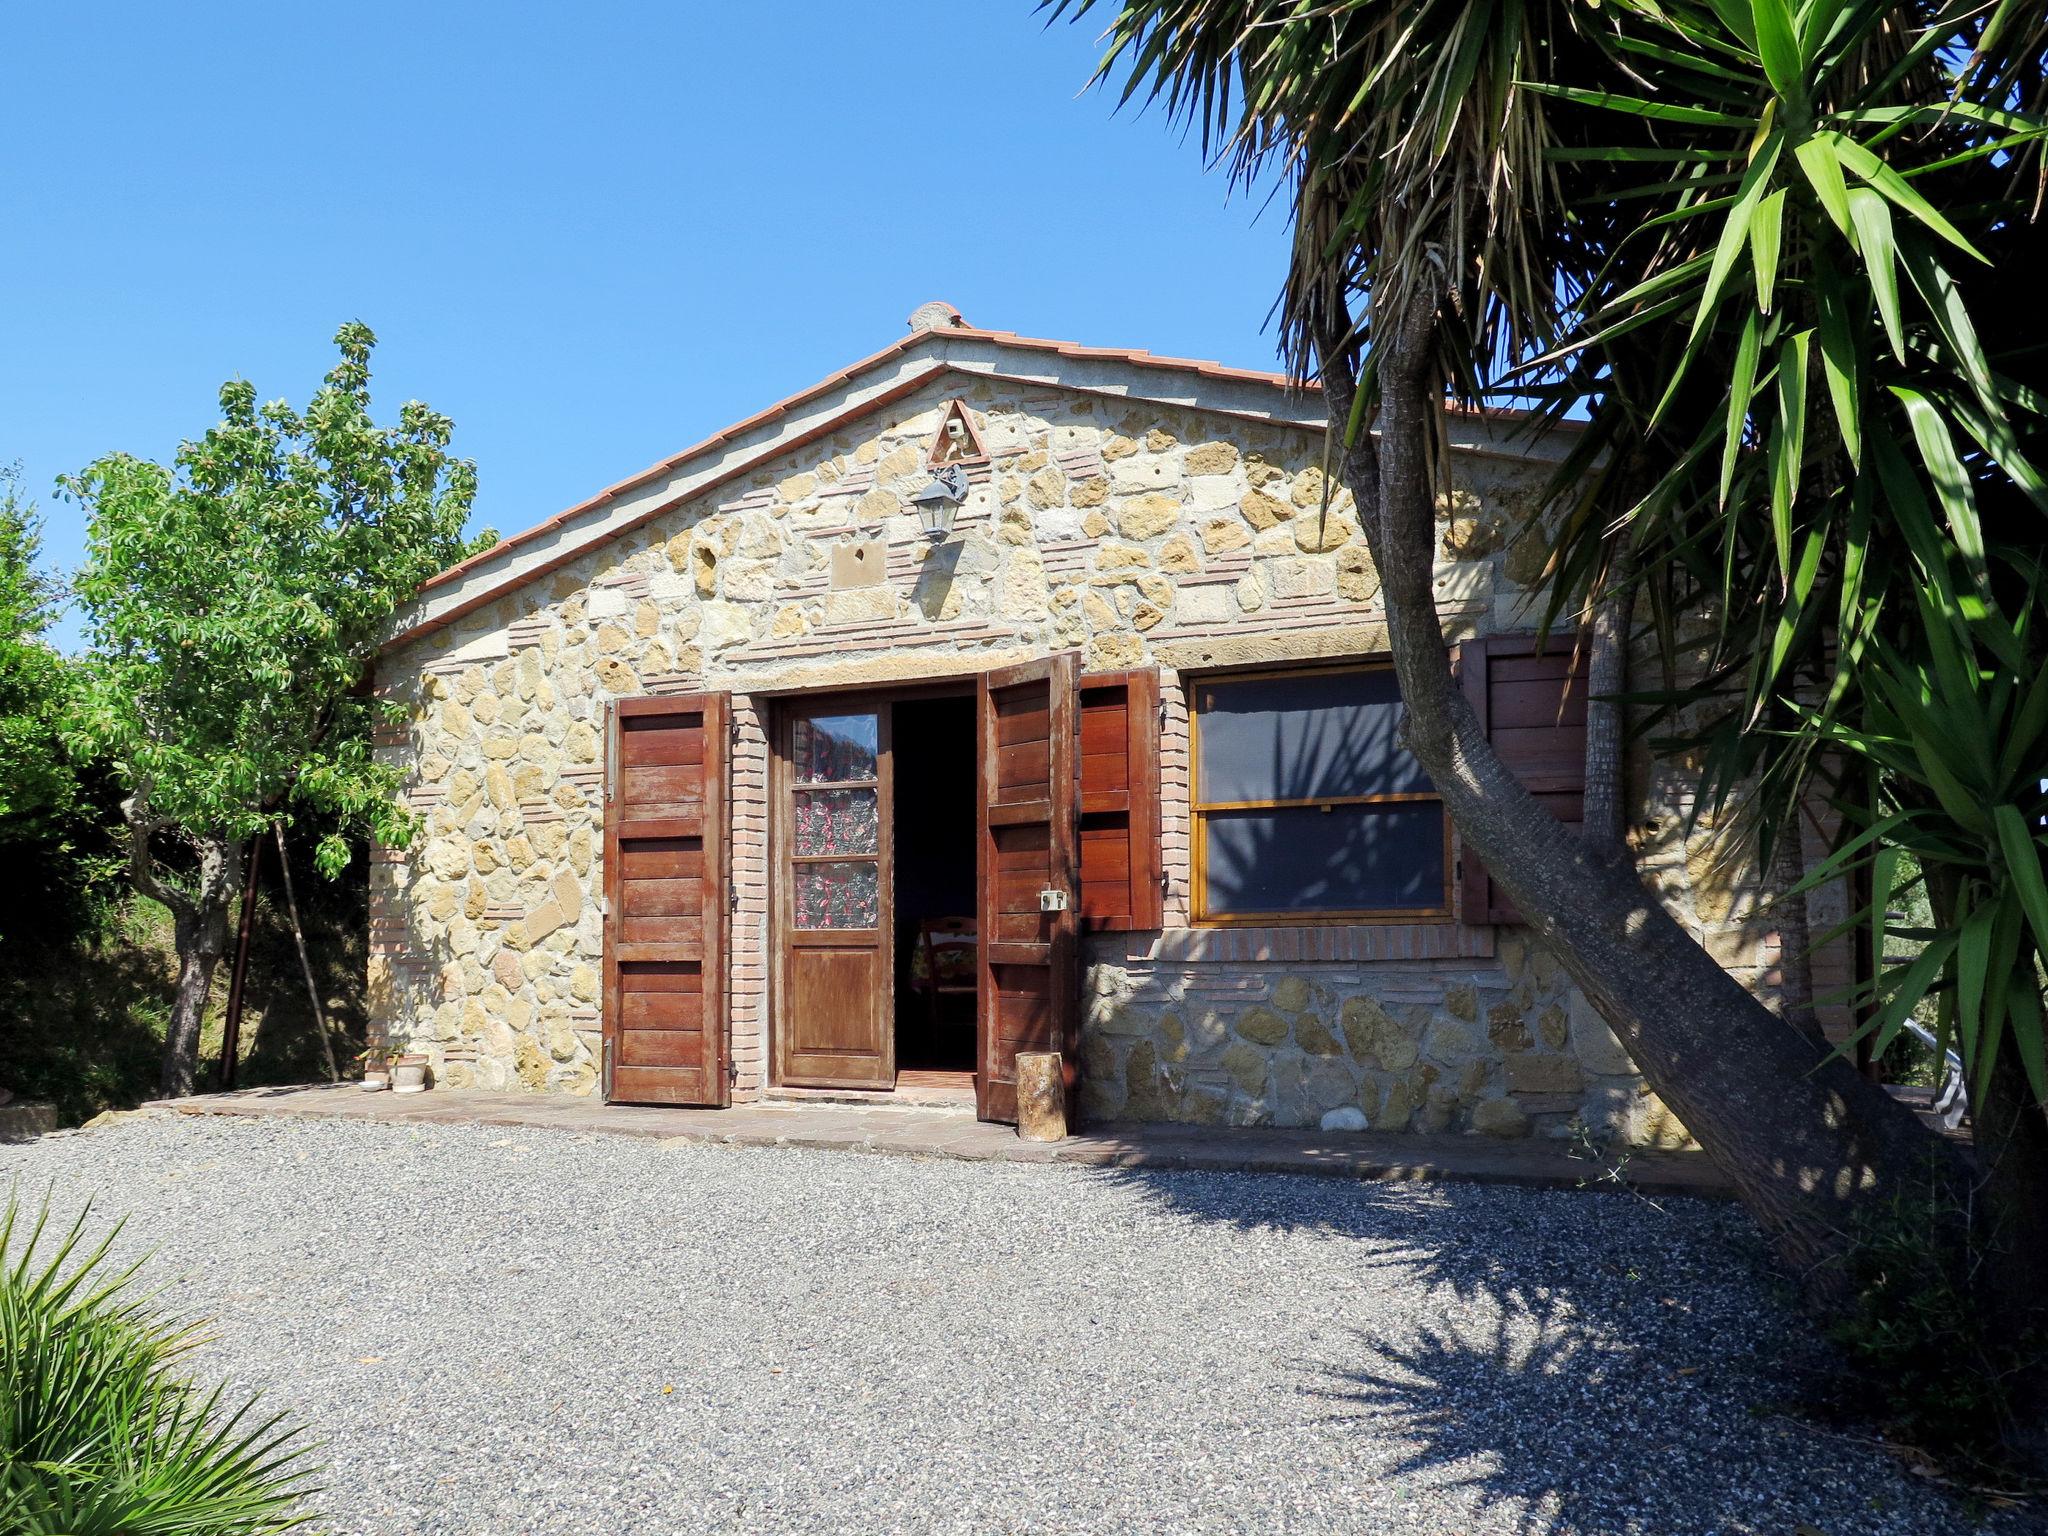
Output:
x=1788 y=915
x=1604 y=811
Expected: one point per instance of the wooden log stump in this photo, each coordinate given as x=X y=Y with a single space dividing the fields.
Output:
x=1041 y=1096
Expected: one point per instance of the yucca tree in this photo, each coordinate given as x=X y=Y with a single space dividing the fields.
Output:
x=1833 y=239
x=1567 y=201
x=1428 y=201
x=100 y=1434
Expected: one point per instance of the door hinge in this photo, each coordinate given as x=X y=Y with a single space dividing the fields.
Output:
x=732 y=895
x=732 y=1073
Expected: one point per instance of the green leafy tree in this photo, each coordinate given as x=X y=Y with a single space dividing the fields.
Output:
x=233 y=604
x=33 y=782
x=50 y=814
x=1754 y=241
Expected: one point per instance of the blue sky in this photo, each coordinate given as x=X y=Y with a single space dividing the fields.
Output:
x=590 y=234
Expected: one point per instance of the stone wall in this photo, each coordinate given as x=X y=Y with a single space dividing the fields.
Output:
x=1497 y=1043
x=1136 y=534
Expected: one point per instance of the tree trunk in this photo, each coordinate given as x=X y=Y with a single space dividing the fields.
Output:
x=1788 y=916
x=200 y=922
x=1802 y=1137
x=1604 y=820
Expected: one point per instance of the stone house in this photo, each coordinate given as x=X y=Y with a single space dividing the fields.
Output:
x=736 y=780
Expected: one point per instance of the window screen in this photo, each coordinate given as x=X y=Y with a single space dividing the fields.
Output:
x=1306 y=805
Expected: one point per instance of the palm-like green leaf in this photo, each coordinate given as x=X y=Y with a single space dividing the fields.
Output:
x=1901 y=497
x=100 y=1432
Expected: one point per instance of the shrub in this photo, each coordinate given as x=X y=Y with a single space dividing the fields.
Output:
x=100 y=1432
x=1925 y=1356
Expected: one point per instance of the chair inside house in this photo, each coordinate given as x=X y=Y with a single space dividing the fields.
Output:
x=945 y=972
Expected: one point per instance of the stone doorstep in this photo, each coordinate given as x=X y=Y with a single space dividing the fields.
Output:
x=901 y=1132
x=945 y=1100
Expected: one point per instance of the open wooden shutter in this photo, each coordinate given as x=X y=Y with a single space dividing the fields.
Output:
x=1029 y=997
x=1119 y=847
x=665 y=884
x=1533 y=705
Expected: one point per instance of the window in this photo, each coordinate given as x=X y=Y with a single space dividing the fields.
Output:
x=1306 y=806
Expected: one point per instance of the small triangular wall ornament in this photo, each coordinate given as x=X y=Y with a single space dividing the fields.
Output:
x=957 y=441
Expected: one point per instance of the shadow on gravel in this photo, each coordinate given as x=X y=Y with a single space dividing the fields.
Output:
x=1493 y=1241
x=1572 y=1362
x=1561 y=1427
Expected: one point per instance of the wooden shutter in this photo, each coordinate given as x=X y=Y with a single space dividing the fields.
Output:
x=1533 y=705
x=665 y=902
x=1029 y=994
x=1119 y=847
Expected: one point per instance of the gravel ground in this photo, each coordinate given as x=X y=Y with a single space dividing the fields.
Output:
x=528 y=1333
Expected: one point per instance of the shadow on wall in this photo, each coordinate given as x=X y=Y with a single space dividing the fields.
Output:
x=1572 y=1362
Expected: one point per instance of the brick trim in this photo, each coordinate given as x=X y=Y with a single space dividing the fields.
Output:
x=1176 y=848
x=1333 y=944
x=747 y=982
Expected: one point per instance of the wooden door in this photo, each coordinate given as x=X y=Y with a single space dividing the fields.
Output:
x=1029 y=993
x=837 y=999
x=665 y=901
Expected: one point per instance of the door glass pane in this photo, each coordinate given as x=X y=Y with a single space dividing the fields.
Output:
x=1350 y=858
x=836 y=821
x=830 y=749
x=838 y=895
x=1304 y=737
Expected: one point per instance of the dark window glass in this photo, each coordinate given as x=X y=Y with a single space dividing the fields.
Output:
x=1349 y=858
x=832 y=748
x=1306 y=737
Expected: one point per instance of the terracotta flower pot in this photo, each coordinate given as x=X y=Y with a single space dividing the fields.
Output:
x=409 y=1074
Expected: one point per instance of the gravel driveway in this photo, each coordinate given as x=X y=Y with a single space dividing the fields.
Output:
x=535 y=1332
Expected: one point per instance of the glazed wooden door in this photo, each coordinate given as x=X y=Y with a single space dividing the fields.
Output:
x=1029 y=917
x=665 y=884
x=836 y=1002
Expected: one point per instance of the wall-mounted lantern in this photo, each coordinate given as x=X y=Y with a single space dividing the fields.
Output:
x=937 y=501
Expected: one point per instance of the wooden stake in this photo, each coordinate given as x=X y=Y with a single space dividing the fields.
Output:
x=291 y=902
x=231 y=1026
